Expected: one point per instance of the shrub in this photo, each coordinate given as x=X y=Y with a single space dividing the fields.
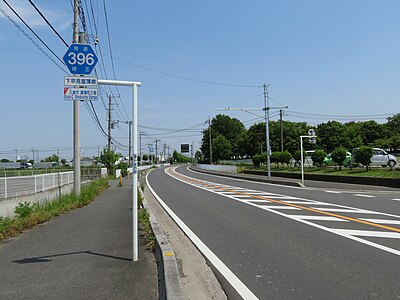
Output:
x=338 y=156
x=318 y=157
x=285 y=157
x=23 y=209
x=363 y=156
x=256 y=159
x=275 y=158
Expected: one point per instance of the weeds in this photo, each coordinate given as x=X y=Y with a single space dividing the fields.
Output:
x=28 y=216
x=144 y=219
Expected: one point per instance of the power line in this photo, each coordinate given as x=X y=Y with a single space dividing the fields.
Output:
x=32 y=41
x=48 y=23
x=41 y=49
x=184 y=77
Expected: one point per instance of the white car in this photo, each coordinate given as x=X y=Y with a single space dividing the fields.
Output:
x=380 y=158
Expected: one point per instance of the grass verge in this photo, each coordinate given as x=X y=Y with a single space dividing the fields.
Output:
x=30 y=215
x=144 y=220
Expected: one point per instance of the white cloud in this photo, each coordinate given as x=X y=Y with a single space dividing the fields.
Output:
x=58 y=19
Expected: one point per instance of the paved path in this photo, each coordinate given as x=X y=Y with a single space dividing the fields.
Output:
x=85 y=254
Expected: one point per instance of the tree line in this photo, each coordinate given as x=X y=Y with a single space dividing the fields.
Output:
x=231 y=140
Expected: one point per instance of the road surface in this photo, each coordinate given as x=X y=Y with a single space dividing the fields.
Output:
x=278 y=242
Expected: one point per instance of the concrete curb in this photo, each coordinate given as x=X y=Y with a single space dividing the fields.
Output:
x=170 y=286
x=273 y=181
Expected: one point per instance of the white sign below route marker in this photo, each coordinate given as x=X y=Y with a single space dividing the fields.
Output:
x=80 y=94
x=83 y=81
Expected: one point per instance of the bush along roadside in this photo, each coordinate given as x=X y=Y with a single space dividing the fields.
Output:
x=29 y=215
x=144 y=220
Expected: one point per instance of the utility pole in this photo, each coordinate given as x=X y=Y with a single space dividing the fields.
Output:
x=58 y=154
x=109 y=123
x=281 y=122
x=16 y=155
x=191 y=154
x=140 y=145
x=165 y=152
x=266 y=115
x=209 y=134
x=77 y=157
x=33 y=155
x=168 y=151
x=156 y=141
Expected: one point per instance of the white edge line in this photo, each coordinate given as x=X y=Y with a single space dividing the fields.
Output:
x=235 y=282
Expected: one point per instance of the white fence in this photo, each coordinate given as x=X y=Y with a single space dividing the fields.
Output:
x=219 y=168
x=11 y=187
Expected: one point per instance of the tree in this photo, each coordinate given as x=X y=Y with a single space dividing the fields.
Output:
x=228 y=127
x=51 y=158
x=4 y=160
x=363 y=156
x=123 y=167
x=318 y=157
x=108 y=159
x=198 y=155
x=274 y=158
x=222 y=148
x=256 y=159
x=285 y=157
x=331 y=135
x=371 y=131
x=179 y=158
x=145 y=157
x=63 y=161
x=338 y=156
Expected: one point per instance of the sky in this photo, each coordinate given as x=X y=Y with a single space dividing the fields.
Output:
x=323 y=59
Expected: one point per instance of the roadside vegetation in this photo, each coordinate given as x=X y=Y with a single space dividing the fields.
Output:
x=144 y=220
x=29 y=215
x=372 y=172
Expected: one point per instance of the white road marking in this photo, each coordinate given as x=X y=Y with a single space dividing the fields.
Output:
x=235 y=282
x=396 y=199
x=334 y=192
x=279 y=207
x=381 y=221
x=355 y=211
x=317 y=218
x=364 y=195
x=370 y=233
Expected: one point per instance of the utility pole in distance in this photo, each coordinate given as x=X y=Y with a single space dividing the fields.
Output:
x=156 y=141
x=281 y=123
x=140 y=146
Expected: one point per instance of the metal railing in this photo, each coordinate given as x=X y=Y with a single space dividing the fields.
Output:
x=27 y=185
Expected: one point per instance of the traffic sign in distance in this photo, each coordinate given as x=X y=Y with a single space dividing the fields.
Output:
x=184 y=148
x=80 y=59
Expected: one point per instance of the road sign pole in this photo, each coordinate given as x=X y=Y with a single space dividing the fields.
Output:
x=77 y=150
x=134 y=85
x=135 y=175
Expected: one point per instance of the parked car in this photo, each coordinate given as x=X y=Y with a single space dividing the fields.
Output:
x=328 y=161
x=379 y=158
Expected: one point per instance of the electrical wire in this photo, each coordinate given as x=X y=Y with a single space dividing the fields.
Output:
x=41 y=49
x=48 y=23
x=184 y=77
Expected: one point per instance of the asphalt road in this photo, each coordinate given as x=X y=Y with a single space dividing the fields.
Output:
x=290 y=243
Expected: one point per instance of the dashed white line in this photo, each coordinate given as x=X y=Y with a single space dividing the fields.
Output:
x=364 y=195
x=396 y=199
x=381 y=221
x=381 y=234
x=334 y=192
x=279 y=207
x=317 y=218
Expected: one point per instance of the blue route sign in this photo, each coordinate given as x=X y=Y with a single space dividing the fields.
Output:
x=80 y=59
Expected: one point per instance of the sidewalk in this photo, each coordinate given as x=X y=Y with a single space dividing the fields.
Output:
x=85 y=254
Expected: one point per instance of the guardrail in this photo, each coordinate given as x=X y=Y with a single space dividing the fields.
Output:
x=218 y=168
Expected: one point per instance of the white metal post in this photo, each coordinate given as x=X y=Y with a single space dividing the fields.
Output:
x=135 y=176
x=301 y=159
x=134 y=85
